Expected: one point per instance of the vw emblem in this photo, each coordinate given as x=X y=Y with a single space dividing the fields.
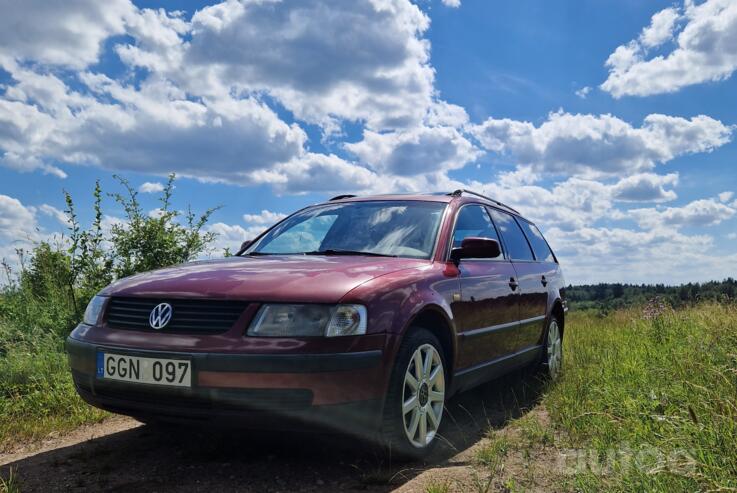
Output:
x=160 y=316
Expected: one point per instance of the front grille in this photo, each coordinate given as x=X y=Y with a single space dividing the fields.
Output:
x=189 y=316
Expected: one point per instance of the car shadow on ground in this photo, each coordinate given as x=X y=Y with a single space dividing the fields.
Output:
x=154 y=458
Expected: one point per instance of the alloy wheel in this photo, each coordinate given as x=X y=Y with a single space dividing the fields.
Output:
x=555 y=349
x=423 y=396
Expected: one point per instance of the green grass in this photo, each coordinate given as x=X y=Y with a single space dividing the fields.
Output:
x=532 y=433
x=660 y=393
x=37 y=395
x=492 y=454
x=647 y=402
x=10 y=484
x=438 y=488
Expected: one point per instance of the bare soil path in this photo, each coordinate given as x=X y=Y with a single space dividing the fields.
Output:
x=121 y=454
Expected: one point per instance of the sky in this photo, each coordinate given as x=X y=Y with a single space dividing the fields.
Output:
x=611 y=124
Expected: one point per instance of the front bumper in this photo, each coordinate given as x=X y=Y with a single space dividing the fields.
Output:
x=338 y=390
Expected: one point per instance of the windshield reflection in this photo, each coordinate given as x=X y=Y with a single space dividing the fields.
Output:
x=389 y=228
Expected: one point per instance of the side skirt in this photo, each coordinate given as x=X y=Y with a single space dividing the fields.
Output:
x=468 y=378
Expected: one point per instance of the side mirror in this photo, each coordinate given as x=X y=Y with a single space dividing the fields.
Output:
x=243 y=247
x=474 y=247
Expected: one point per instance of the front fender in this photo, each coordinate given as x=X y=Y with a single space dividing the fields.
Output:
x=395 y=300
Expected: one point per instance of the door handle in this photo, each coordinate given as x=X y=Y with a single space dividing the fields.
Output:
x=513 y=283
x=544 y=281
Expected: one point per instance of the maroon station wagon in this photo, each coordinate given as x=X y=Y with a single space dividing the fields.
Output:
x=363 y=314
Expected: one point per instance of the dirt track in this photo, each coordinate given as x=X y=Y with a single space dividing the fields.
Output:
x=122 y=455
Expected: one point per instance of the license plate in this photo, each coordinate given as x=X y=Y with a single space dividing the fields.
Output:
x=156 y=371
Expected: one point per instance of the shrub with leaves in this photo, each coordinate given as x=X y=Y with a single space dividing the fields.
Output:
x=56 y=281
x=149 y=241
x=43 y=301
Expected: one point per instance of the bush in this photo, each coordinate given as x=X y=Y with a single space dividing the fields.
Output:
x=55 y=282
x=147 y=242
x=42 y=302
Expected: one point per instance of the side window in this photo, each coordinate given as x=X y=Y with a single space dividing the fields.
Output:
x=473 y=220
x=539 y=245
x=514 y=238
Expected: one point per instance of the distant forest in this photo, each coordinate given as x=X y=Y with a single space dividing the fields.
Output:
x=612 y=296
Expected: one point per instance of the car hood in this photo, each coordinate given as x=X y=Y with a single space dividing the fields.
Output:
x=293 y=278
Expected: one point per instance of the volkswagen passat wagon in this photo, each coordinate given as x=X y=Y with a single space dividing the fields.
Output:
x=364 y=314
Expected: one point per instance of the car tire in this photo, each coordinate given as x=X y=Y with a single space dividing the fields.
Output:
x=415 y=400
x=551 y=360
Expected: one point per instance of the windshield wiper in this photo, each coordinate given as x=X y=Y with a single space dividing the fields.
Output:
x=331 y=251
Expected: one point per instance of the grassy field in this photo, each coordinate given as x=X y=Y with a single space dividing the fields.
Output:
x=647 y=402
x=37 y=396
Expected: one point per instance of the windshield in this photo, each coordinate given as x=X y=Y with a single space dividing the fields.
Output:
x=388 y=228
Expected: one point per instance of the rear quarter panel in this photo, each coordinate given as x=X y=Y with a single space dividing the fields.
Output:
x=556 y=292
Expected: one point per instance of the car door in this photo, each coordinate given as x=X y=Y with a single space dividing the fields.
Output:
x=487 y=312
x=544 y=270
x=533 y=295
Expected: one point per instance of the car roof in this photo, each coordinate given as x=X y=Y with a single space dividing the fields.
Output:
x=426 y=197
x=444 y=197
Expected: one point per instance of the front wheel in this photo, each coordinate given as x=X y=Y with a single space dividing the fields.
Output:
x=416 y=399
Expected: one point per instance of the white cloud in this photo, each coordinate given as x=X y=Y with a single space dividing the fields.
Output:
x=154 y=129
x=706 y=51
x=583 y=92
x=660 y=29
x=704 y=212
x=444 y=114
x=522 y=175
x=151 y=187
x=569 y=205
x=725 y=196
x=324 y=60
x=732 y=236
x=51 y=211
x=590 y=145
x=69 y=33
x=17 y=222
x=158 y=45
x=646 y=187
x=317 y=173
x=265 y=217
x=203 y=107
x=599 y=254
x=452 y=3
x=415 y=151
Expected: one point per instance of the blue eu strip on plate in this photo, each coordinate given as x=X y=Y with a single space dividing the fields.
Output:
x=100 y=364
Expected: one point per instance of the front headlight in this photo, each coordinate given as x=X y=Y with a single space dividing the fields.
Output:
x=93 y=312
x=308 y=320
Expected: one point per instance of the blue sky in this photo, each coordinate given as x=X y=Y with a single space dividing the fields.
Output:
x=610 y=123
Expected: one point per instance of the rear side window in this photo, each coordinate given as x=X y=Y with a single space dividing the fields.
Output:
x=514 y=238
x=539 y=245
x=473 y=220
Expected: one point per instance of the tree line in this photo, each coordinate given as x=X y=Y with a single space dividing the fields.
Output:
x=610 y=296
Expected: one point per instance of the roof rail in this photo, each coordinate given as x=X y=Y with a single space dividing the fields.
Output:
x=344 y=196
x=461 y=191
